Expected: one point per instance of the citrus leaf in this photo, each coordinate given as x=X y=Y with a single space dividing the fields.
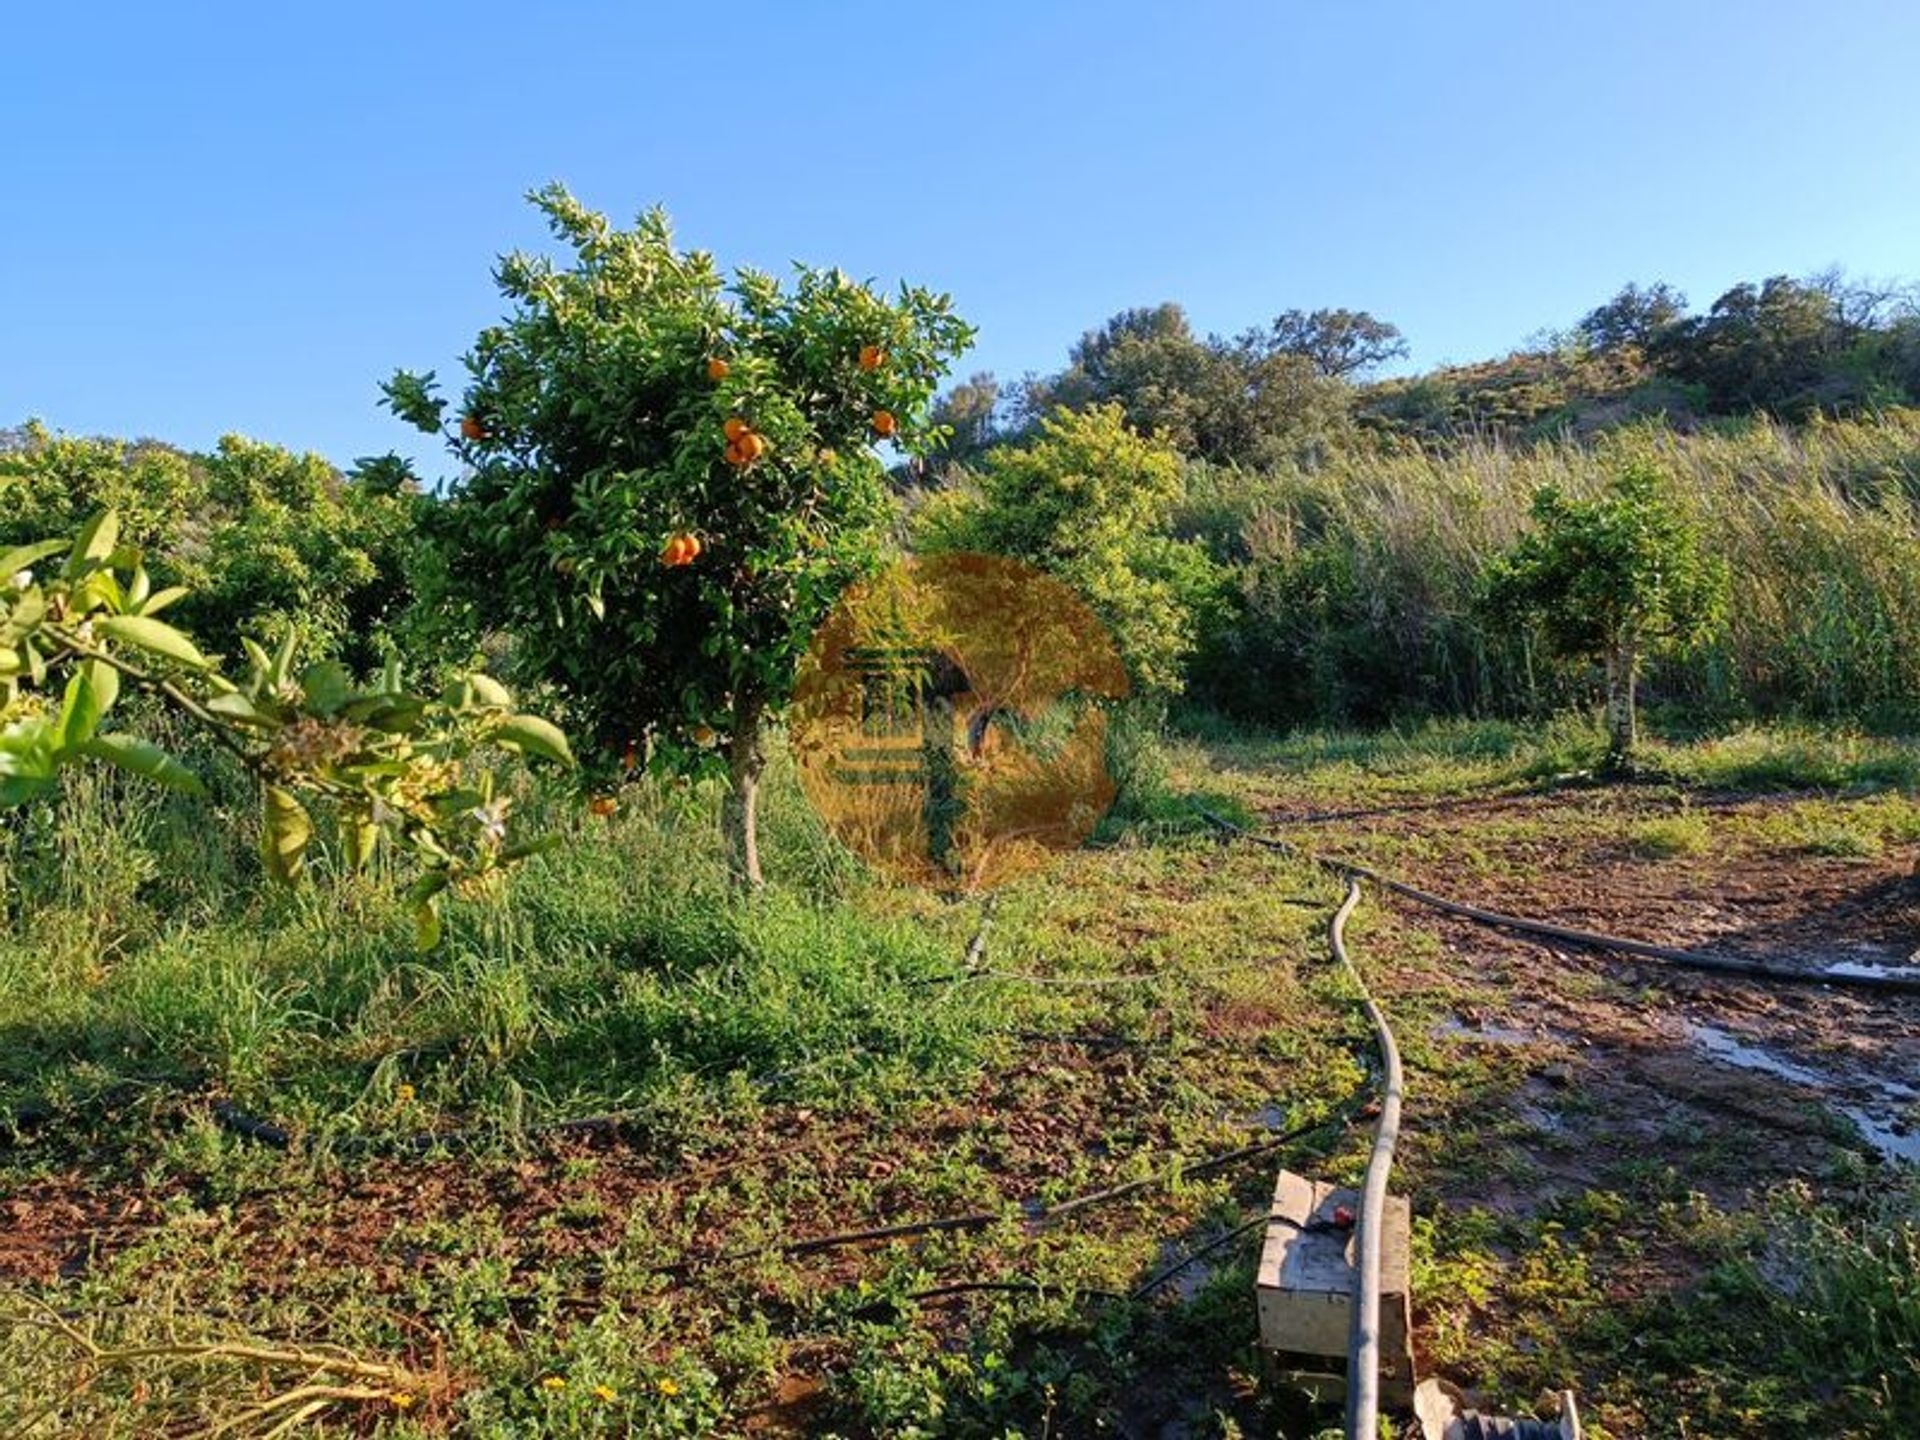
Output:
x=238 y=708
x=25 y=557
x=90 y=694
x=489 y=691
x=284 y=837
x=95 y=542
x=143 y=757
x=531 y=735
x=155 y=637
x=160 y=599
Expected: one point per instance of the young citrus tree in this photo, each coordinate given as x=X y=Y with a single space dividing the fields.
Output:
x=79 y=622
x=1615 y=579
x=673 y=478
x=1089 y=500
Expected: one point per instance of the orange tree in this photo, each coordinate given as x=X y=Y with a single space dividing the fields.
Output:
x=671 y=479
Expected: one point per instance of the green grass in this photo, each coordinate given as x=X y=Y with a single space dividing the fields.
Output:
x=808 y=1062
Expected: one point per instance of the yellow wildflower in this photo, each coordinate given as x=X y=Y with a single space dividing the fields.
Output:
x=400 y=1400
x=554 y=1382
x=669 y=1387
x=604 y=1392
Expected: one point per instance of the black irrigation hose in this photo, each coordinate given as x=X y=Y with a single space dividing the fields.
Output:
x=1895 y=981
x=1036 y=1217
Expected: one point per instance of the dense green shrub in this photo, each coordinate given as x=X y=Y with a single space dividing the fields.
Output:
x=265 y=540
x=1090 y=501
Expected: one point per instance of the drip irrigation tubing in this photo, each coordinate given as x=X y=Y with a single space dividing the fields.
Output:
x=1036 y=1217
x=1892 y=981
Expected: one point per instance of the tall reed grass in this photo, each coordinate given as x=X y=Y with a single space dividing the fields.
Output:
x=1359 y=577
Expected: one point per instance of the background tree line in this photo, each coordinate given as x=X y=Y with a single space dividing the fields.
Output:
x=1272 y=527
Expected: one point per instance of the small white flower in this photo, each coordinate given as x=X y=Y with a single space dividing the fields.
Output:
x=492 y=819
x=83 y=632
x=21 y=579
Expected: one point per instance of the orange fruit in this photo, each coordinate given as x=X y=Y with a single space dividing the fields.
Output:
x=675 y=555
x=603 y=805
x=871 y=357
x=471 y=428
x=735 y=455
x=735 y=428
x=752 y=446
x=717 y=368
x=694 y=547
x=884 y=423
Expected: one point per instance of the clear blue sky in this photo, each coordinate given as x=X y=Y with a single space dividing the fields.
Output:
x=241 y=217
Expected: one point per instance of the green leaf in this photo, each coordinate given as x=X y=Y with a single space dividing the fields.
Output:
x=283 y=659
x=153 y=636
x=27 y=761
x=540 y=845
x=90 y=694
x=25 y=557
x=392 y=714
x=359 y=837
x=531 y=735
x=327 y=686
x=144 y=758
x=25 y=617
x=286 y=831
x=424 y=894
x=161 y=599
x=95 y=542
x=238 y=708
x=426 y=925
x=489 y=691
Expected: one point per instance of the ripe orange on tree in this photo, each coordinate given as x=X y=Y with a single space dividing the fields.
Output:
x=871 y=357
x=471 y=428
x=884 y=423
x=717 y=368
x=735 y=428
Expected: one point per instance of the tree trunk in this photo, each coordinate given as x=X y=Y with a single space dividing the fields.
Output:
x=740 y=815
x=1623 y=665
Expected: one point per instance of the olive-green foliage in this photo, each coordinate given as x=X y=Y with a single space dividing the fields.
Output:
x=1089 y=500
x=1261 y=399
x=265 y=540
x=1359 y=578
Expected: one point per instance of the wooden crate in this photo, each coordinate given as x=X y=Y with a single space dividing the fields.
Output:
x=1305 y=1285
